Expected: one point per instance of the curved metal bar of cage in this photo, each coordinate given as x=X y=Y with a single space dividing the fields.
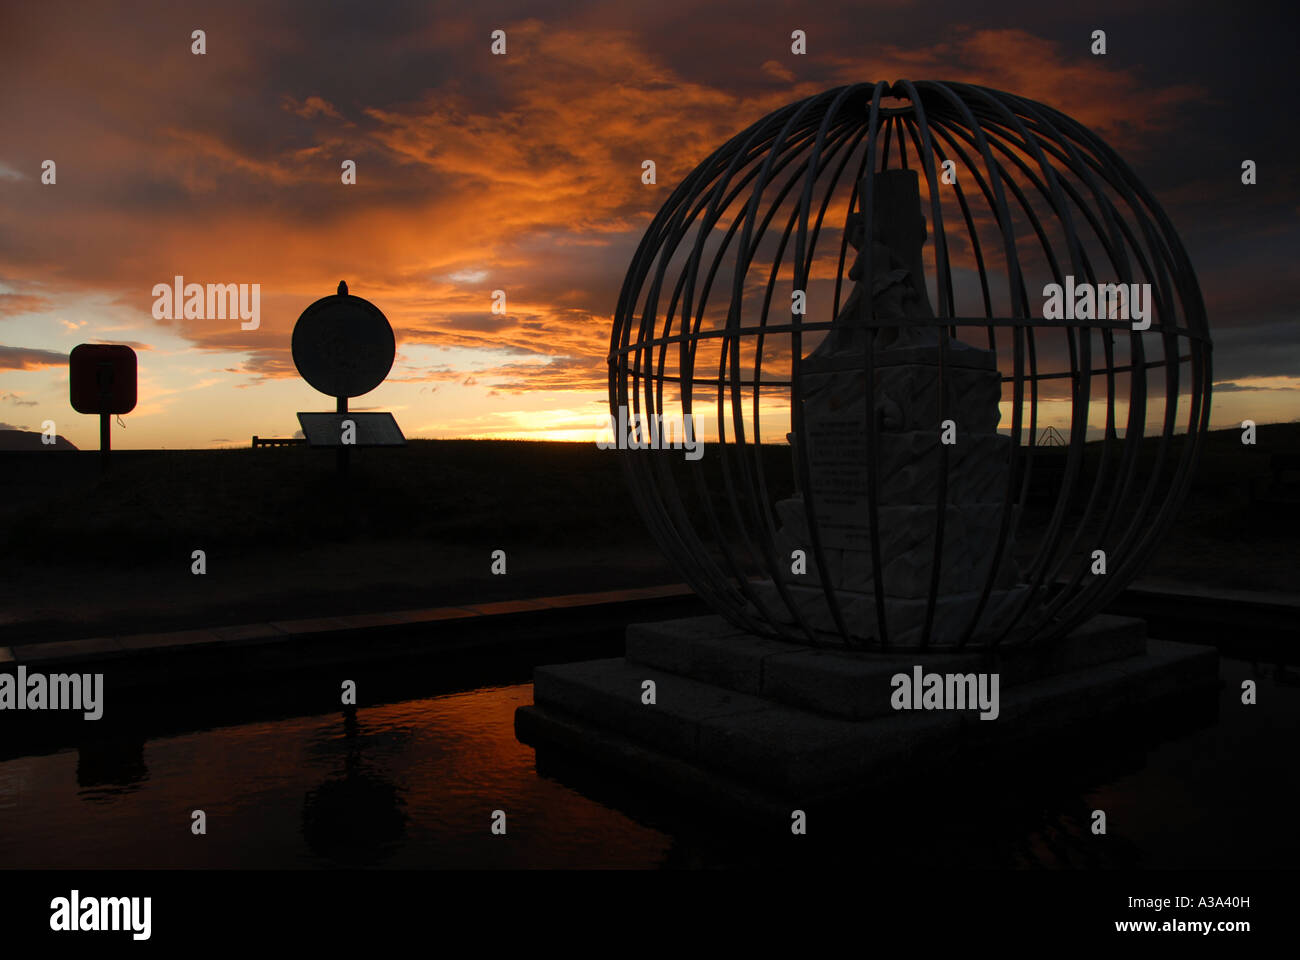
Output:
x=1081 y=259
x=720 y=382
x=756 y=133
x=688 y=379
x=700 y=569
x=1022 y=345
x=754 y=481
x=1006 y=528
x=840 y=96
x=843 y=245
x=708 y=506
x=1193 y=307
x=717 y=198
x=668 y=532
x=1185 y=283
x=1113 y=244
x=798 y=217
x=640 y=482
x=1108 y=370
x=1198 y=414
x=997 y=203
x=1103 y=238
x=734 y=380
x=1165 y=314
x=1159 y=276
x=943 y=289
x=1027 y=209
x=1079 y=410
x=717 y=204
x=1092 y=222
x=804 y=247
x=743 y=260
x=1005 y=532
x=866 y=313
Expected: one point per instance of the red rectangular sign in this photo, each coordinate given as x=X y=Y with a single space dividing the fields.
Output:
x=102 y=377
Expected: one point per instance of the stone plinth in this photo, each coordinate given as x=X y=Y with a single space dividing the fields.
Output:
x=764 y=723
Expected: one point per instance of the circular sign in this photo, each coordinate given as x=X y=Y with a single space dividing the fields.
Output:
x=343 y=345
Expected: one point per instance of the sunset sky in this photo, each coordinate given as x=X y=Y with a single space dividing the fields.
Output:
x=523 y=172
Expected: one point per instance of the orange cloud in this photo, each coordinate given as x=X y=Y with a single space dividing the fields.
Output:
x=1114 y=102
x=15 y=303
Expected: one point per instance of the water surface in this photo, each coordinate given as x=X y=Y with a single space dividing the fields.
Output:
x=414 y=783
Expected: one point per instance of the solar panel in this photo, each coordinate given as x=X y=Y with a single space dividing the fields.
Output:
x=368 y=429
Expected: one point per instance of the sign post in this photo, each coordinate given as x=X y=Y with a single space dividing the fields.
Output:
x=341 y=406
x=102 y=379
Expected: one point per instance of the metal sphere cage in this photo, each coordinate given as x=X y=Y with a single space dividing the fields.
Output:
x=1015 y=195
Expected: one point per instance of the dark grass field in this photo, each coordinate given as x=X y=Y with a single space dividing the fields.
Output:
x=285 y=538
x=85 y=550
x=155 y=502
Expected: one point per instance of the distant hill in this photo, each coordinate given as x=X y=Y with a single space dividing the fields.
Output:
x=31 y=440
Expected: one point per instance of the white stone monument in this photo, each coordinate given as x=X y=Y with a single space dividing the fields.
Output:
x=910 y=416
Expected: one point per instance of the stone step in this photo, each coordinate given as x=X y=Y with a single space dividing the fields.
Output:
x=855 y=685
x=748 y=739
x=611 y=690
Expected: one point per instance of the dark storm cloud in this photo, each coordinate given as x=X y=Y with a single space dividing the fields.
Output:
x=1268 y=350
x=24 y=358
